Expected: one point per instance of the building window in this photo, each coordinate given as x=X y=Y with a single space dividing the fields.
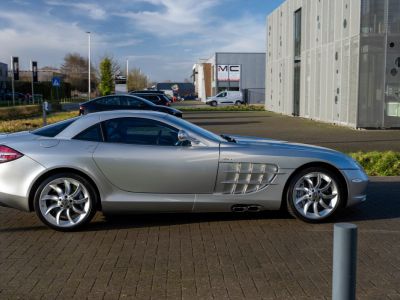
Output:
x=297 y=33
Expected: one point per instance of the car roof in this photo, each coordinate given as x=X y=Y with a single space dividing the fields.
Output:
x=130 y=112
x=147 y=92
x=116 y=95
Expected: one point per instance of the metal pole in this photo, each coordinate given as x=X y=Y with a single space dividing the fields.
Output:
x=12 y=81
x=127 y=74
x=33 y=95
x=89 y=87
x=344 y=261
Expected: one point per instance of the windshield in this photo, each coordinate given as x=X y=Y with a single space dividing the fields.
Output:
x=196 y=129
x=54 y=129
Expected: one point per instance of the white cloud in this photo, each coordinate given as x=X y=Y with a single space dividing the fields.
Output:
x=92 y=10
x=41 y=38
x=174 y=18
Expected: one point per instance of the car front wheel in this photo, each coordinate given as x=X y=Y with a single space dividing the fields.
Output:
x=65 y=201
x=214 y=103
x=315 y=194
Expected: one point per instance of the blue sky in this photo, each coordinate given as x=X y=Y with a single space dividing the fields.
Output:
x=164 y=38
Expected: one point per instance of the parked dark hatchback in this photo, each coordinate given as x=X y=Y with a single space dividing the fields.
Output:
x=118 y=102
x=155 y=98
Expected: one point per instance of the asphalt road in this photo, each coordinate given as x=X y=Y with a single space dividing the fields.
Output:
x=207 y=256
x=271 y=125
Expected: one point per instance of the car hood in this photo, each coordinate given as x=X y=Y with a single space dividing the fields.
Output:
x=290 y=153
x=257 y=141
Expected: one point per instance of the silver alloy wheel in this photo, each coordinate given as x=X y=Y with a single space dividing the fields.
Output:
x=64 y=202
x=315 y=195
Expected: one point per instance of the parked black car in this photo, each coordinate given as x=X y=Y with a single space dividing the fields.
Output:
x=157 y=99
x=147 y=92
x=117 y=102
x=18 y=97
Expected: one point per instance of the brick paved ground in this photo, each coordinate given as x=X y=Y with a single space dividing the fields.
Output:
x=199 y=256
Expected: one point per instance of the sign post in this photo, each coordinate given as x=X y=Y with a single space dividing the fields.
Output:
x=56 y=82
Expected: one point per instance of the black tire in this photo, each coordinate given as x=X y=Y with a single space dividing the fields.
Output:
x=340 y=191
x=214 y=103
x=238 y=103
x=92 y=200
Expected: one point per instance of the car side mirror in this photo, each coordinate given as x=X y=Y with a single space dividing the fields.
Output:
x=183 y=136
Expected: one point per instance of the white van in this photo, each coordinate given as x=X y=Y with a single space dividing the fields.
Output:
x=226 y=98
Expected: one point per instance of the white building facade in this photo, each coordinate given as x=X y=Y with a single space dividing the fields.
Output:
x=231 y=71
x=336 y=61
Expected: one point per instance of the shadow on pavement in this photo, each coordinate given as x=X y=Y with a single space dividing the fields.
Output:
x=383 y=203
x=110 y=222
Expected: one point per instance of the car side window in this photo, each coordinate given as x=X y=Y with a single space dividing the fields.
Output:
x=132 y=102
x=153 y=98
x=109 y=101
x=222 y=95
x=92 y=134
x=140 y=131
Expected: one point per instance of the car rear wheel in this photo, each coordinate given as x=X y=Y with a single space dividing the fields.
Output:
x=238 y=103
x=65 y=201
x=315 y=194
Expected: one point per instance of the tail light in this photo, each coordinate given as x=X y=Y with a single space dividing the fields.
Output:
x=8 y=154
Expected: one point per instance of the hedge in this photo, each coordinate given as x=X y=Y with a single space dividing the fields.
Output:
x=18 y=112
x=379 y=163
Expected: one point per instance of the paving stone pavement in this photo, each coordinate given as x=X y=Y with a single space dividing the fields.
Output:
x=200 y=256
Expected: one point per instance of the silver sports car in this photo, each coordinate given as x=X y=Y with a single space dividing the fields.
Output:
x=136 y=162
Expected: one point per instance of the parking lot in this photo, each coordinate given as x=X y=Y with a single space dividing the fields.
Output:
x=276 y=126
x=211 y=256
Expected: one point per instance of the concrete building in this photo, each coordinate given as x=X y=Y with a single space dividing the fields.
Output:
x=231 y=71
x=202 y=75
x=3 y=79
x=336 y=61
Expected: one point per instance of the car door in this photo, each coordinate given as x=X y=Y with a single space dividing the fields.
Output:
x=143 y=155
x=223 y=99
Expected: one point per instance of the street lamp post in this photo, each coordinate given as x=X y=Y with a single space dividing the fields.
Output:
x=89 y=85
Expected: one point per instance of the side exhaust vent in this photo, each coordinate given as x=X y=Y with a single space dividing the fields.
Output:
x=245 y=208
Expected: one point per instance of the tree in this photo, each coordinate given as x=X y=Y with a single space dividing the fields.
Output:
x=137 y=80
x=106 y=86
x=75 y=68
x=115 y=66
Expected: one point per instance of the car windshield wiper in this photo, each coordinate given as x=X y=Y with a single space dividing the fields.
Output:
x=228 y=138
